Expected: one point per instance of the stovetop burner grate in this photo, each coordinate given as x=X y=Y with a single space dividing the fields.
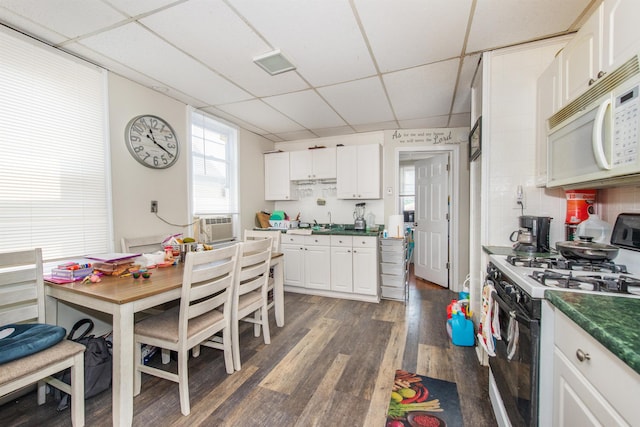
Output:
x=601 y=283
x=567 y=264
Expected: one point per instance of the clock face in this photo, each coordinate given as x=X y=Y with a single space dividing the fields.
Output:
x=152 y=141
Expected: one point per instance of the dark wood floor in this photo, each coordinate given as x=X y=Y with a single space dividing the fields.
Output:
x=332 y=364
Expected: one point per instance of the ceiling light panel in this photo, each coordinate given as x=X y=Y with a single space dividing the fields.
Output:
x=274 y=63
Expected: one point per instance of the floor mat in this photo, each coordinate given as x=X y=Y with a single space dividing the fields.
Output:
x=419 y=401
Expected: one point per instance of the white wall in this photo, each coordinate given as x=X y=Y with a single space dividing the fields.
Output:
x=509 y=138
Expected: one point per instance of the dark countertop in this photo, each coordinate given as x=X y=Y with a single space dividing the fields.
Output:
x=508 y=250
x=611 y=320
x=337 y=230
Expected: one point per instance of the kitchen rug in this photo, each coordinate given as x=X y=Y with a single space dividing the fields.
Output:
x=419 y=401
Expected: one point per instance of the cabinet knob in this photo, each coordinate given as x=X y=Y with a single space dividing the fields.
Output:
x=601 y=74
x=591 y=81
x=582 y=356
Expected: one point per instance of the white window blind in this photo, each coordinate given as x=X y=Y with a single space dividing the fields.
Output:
x=53 y=180
x=214 y=166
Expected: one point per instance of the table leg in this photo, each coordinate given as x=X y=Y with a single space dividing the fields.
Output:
x=278 y=289
x=123 y=365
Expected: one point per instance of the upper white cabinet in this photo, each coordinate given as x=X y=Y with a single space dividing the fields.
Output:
x=277 y=182
x=358 y=171
x=548 y=103
x=582 y=58
x=620 y=36
x=318 y=163
x=608 y=39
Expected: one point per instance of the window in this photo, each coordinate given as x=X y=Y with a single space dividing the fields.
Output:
x=214 y=166
x=407 y=187
x=54 y=190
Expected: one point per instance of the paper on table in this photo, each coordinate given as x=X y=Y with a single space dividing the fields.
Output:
x=112 y=257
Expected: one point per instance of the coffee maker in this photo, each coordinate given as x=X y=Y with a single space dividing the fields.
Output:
x=533 y=234
x=359 y=224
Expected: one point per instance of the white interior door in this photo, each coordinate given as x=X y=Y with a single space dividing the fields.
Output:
x=431 y=233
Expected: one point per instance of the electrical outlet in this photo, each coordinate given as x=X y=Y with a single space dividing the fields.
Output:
x=154 y=206
x=519 y=199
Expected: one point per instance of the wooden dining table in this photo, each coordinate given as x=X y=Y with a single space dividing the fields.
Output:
x=122 y=297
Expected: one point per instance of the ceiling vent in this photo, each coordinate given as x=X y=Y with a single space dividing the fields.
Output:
x=274 y=62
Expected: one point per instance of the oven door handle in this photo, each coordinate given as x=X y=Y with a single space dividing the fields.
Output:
x=515 y=313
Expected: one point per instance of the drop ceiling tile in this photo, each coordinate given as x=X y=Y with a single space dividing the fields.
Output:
x=376 y=126
x=498 y=23
x=422 y=91
x=414 y=32
x=341 y=130
x=137 y=7
x=306 y=108
x=427 y=122
x=151 y=57
x=273 y=138
x=360 y=101
x=462 y=102
x=233 y=119
x=71 y=18
x=261 y=115
x=321 y=38
x=219 y=38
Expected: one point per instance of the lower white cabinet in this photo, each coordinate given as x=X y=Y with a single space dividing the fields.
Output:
x=591 y=386
x=393 y=268
x=338 y=265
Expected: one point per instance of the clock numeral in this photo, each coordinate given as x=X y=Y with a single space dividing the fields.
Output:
x=164 y=159
x=168 y=137
x=135 y=138
x=138 y=148
x=171 y=145
x=146 y=156
x=136 y=127
x=155 y=160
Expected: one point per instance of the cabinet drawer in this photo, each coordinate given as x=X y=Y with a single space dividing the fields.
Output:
x=616 y=381
x=293 y=239
x=392 y=293
x=341 y=241
x=395 y=269
x=393 y=257
x=317 y=240
x=392 y=281
x=392 y=242
x=364 y=242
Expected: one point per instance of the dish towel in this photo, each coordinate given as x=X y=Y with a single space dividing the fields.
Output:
x=512 y=336
x=489 y=329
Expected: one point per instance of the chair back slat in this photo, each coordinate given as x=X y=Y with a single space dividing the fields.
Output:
x=144 y=244
x=275 y=235
x=21 y=287
x=207 y=282
x=253 y=266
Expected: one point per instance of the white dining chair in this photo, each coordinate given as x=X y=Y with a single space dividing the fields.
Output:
x=275 y=235
x=250 y=298
x=22 y=301
x=144 y=244
x=205 y=310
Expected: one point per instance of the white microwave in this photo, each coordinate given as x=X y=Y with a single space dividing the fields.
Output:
x=594 y=140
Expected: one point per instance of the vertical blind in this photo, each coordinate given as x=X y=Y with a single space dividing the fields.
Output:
x=54 y=191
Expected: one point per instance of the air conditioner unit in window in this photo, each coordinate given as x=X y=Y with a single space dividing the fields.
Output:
x=217 y=229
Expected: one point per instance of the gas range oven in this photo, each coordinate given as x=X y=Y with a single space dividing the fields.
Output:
x=520 y=282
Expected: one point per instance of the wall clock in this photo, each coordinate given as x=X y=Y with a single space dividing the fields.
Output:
x=152 y=141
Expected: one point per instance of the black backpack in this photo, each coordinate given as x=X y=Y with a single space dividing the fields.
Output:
x=97 y=363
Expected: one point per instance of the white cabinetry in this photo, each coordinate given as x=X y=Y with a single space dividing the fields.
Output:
x=358 y=171
x=393 y=268
x=548 y=103
x=293 y=251
x=317 y=262
x=365 y=266
x=318 y=163
x=342 y=263
x=582 y=58
x=591 y=386
x=339 y=266
x=607 y=40
x=277 y=183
